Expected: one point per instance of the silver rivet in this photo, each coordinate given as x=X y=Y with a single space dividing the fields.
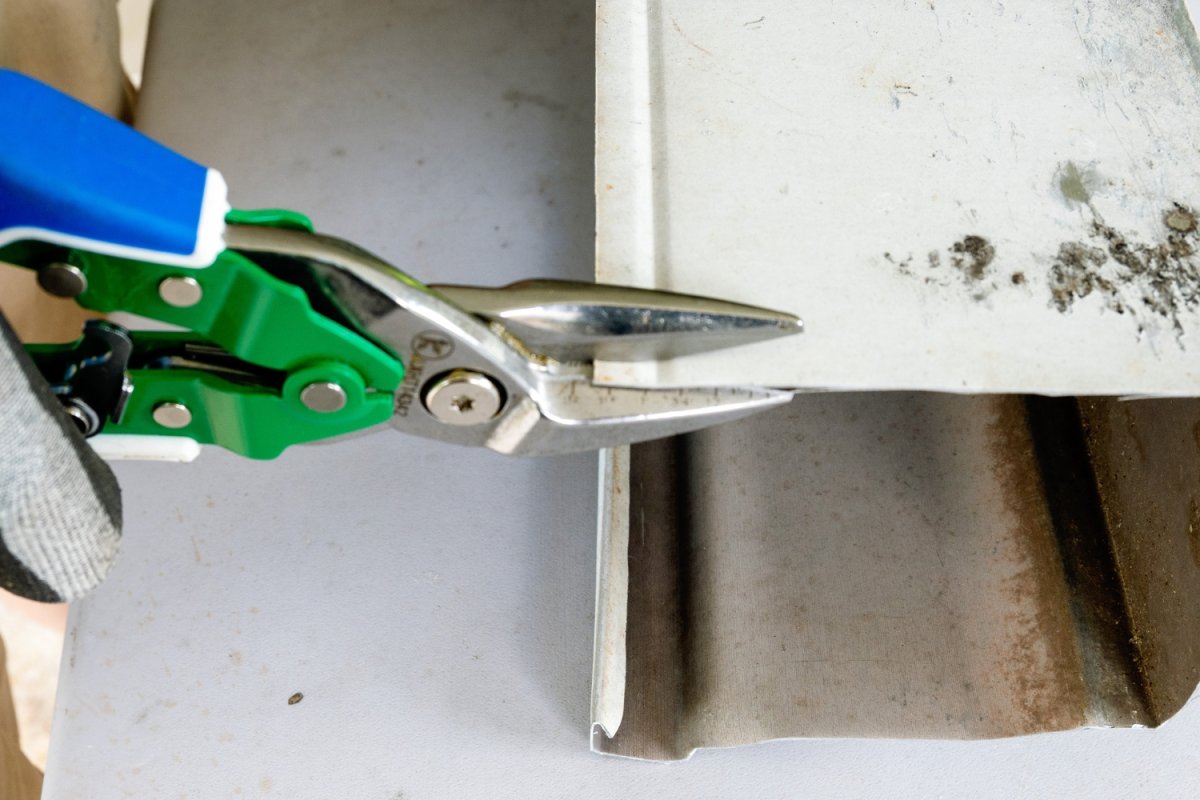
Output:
x=63 y=280
x=463 y=397
x=181 y=292
x=323 y=396
x=172 y=415
x=82 y=415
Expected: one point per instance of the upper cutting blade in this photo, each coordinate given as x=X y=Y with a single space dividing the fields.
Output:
x=573 y=321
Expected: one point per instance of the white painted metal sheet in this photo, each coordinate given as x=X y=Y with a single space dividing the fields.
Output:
x=954 y=195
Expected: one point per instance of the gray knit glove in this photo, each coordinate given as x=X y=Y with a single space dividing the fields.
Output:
x=60 y=506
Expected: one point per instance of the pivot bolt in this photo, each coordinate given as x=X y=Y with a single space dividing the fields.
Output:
x=463 y=397
x=172 y=415
x=62 y=280
x=323 y=396
x=180 y=291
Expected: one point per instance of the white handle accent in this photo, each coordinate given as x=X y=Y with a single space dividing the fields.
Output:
x=126 y=447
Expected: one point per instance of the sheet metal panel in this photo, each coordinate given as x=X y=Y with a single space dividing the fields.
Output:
x=912 y=565
x=959 y=196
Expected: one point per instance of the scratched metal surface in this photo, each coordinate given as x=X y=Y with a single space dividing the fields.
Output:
x=432 y=605
x=961 y=195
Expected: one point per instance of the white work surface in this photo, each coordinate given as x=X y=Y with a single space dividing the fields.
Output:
x=433 y=604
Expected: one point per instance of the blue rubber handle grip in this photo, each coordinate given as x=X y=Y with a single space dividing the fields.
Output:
x=71 y=175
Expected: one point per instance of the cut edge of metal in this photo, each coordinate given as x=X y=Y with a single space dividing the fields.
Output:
x=612 y=595
x=656 y=493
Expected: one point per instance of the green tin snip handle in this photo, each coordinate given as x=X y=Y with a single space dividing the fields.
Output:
x=259 y=369
x=120 y=222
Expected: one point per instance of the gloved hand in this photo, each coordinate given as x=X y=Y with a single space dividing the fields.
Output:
x=60 y=506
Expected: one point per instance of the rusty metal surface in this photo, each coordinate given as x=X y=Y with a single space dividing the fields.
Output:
x=905 y=565
x=1147 y=465
x=1115 y=685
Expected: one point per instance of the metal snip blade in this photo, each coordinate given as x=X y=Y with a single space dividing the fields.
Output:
x=573 y=321
x=572 y=414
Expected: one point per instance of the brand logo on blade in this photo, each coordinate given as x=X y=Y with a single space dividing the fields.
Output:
x=407 y=392
x=432 y=345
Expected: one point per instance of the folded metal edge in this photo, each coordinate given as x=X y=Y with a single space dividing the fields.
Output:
x=612 y=595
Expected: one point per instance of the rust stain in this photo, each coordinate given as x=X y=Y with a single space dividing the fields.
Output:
x=1154 y=280
x=1041 y=660
x=970 y=260
x=1073 y=276
x=1152 y=540
x=1152 y=283
x=972 y=256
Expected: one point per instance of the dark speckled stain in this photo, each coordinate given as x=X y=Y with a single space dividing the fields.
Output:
x=1074 y=274
x=970 y=260
x=1150 y=282
x=1144 y=280
x=972 y=256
